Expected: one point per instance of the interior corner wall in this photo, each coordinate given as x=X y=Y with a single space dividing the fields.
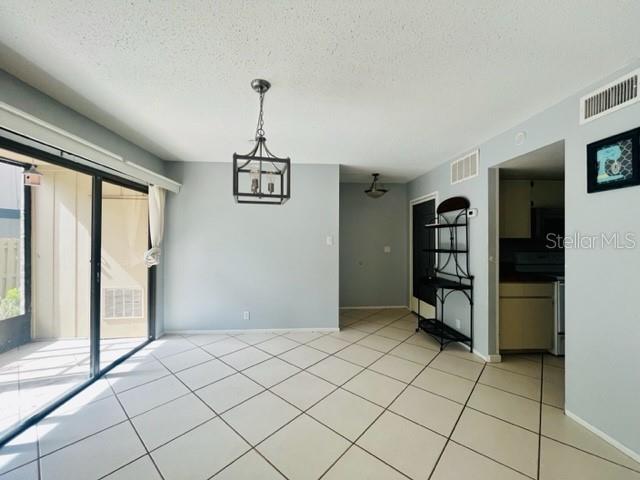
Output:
x=601 y=304
x=368 y=275
x=222 y=258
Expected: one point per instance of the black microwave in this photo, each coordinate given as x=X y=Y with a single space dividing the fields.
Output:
x=547 y=221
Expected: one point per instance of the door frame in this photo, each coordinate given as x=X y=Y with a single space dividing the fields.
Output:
x=412 y=203
x=16 y=324
x=493 y=263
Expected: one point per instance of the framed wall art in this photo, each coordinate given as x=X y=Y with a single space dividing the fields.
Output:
x=614 y=162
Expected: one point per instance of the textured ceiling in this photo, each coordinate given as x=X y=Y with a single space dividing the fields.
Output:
x=395 y=86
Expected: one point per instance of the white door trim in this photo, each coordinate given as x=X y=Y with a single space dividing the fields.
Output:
x=416 y=201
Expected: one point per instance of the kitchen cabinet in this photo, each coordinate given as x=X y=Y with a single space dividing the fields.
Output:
x=518 y=197
x=515 y=209
x=526 y=316
x=547 y=194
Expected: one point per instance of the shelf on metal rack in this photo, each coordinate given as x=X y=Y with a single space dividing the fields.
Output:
x=447 y=284
x=437 y=329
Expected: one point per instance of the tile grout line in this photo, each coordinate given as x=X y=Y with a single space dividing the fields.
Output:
x=304 y=412
x=138 y=435
x=369 y=402
x=590 y=453
x=456 y=423
x=216 y=415
x=332 y=391
x=388 y=353
x=159 y=359
x=241 y=457
x=55 y=450
x=493 y=460
x=214 y=357
x=219 y=415
x=501 y=419
x=384 y=410
x=306 y=369
x=127 y=464
x=195 y=347
x=228 y=426
x=341 y=387
x=466 y=406
x=505 y=391
x=322 y=334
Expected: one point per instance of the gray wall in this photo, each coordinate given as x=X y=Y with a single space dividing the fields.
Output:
x=222 y=258
x=602 y=314
x=368 y=276
x=30 y=100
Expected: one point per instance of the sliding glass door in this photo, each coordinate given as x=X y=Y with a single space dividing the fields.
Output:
x=57 y=357
x=14 y=318
x=124 y=276
x=75 y=294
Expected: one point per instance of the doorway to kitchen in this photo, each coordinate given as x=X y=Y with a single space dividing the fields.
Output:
x=531 y=257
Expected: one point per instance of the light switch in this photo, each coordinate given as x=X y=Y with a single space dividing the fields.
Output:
x=329 y=240
x=387 y=249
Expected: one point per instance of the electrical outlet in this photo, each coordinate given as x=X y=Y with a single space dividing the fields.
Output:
x=458 y=323
x=245 y=315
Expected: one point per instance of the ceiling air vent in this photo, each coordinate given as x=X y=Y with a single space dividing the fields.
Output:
x=465 y=167
x=613 y=96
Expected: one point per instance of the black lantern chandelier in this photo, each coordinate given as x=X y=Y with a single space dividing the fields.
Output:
x=259 y=176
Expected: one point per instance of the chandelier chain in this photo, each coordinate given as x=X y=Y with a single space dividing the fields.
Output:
x=259 y=127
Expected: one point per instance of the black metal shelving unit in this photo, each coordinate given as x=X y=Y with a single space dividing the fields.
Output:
x=449 y=272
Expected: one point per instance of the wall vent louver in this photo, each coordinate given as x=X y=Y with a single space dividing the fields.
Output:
x=123 y=303
x=609 y=98
x=465 y=167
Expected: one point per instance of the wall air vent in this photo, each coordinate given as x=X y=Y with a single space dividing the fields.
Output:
x=609 y=98
x=123 y=303
x=465 y=167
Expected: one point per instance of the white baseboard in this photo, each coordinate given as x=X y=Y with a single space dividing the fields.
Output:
x=611 y=441
x=488 y=358
x=249 y=330
x=373 y=306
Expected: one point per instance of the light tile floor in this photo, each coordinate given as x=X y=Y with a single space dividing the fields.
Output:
x=36 y=373
x=375 y=401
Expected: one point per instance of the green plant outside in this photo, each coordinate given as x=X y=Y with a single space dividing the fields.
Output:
x=10 y=304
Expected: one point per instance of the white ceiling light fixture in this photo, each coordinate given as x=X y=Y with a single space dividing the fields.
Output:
x=375 y=190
